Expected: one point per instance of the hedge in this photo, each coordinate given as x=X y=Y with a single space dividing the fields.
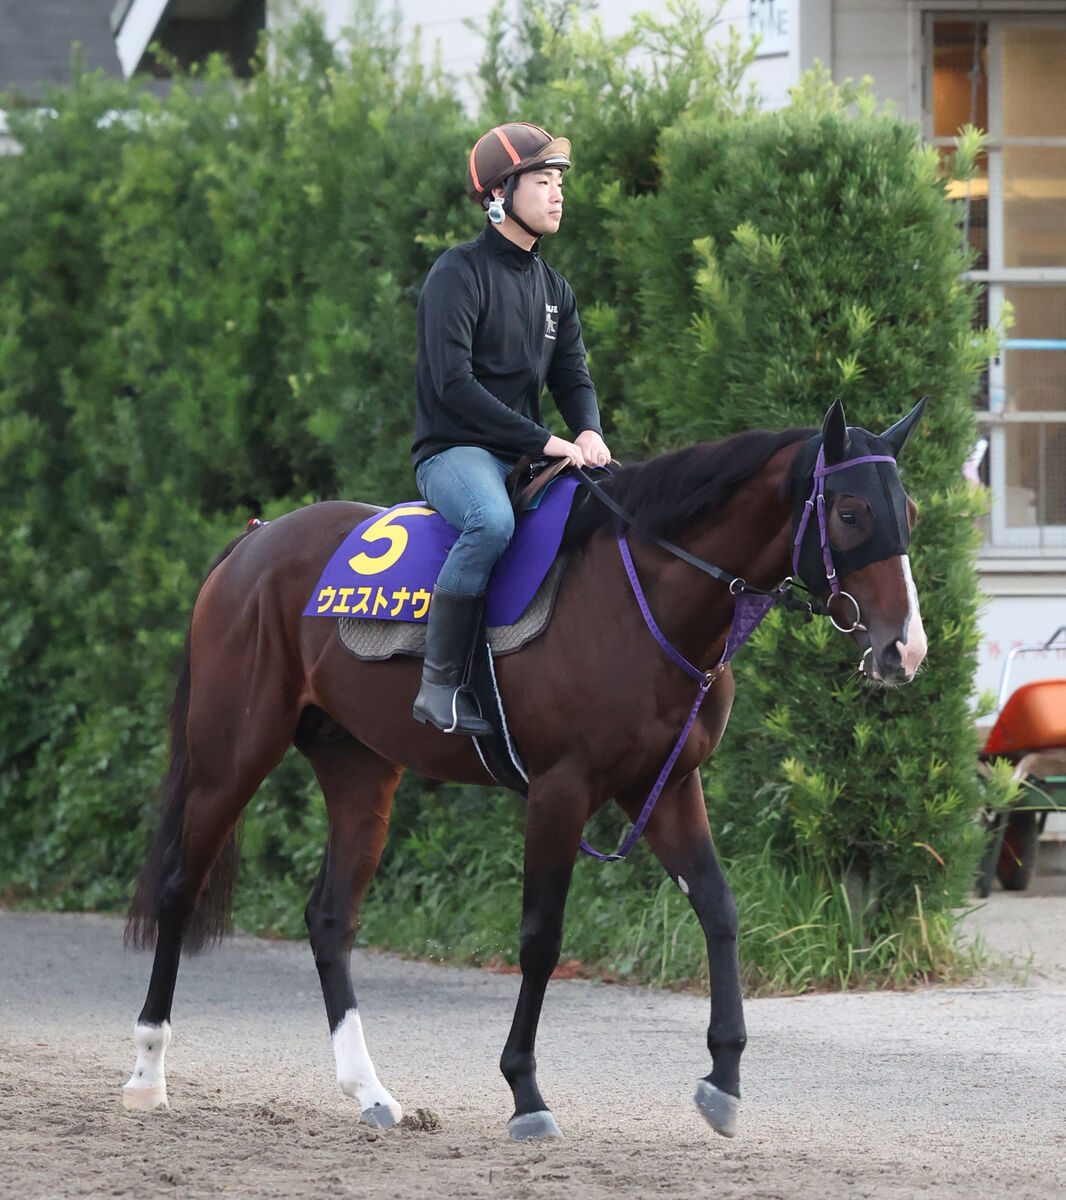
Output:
x=207 y=313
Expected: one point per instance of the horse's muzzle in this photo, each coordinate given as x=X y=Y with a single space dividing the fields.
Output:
x=895 y=664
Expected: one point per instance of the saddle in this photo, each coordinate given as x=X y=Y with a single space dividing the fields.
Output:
x=529 y=477
x=517 y=613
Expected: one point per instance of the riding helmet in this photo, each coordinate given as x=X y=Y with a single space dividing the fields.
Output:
x=509 y=149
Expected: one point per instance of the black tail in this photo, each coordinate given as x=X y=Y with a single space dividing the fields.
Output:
x=211 y=920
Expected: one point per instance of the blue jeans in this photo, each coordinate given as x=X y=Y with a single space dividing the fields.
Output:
x=466 y=485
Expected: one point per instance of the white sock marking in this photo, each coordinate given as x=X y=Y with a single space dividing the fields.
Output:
x=150 y=1042
x=355 y=1071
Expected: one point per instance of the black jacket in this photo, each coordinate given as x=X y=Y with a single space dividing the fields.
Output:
x=495 y=324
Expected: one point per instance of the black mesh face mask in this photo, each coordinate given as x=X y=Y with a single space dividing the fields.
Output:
x=849 y=463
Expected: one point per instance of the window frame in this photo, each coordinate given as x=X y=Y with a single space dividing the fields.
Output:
x=994 y=417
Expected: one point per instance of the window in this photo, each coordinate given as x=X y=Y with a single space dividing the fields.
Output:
x=1004 y=74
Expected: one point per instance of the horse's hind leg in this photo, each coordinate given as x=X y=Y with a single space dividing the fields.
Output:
x=222 y=747
x=358 y=787
x=679 y=835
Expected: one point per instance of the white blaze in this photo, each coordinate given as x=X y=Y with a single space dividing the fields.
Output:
x=913 y=651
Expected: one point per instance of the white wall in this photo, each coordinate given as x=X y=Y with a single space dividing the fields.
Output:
x=460 y=49
x=8 y=145
x=1021 y=608
x=873 y=37
x=850 y=37
x=775 y=70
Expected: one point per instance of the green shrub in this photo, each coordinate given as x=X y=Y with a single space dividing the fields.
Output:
x=207 y=312
x=789 y=258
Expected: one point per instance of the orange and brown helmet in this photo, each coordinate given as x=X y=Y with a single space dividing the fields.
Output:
x=509 y=149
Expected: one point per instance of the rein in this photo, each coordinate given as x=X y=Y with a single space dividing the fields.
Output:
x=736 y=584
x=751 y=604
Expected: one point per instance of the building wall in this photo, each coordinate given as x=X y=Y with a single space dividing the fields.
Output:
x=872 y=37
x=444 y=28
x=775 y=70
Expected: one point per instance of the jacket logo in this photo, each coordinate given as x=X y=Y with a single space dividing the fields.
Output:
x=551 y=320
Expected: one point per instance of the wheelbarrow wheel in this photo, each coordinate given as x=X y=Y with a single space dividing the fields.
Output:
x=1017 y=857
x=995 y=826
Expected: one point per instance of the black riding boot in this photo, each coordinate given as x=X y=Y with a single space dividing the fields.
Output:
x=443 y=700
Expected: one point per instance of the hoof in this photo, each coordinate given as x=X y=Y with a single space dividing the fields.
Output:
x=381 y=1116
x=718 y=1108
x=534 y=1125
x=145 y=1099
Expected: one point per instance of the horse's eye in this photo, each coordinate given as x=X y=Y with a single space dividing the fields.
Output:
x=849 y=517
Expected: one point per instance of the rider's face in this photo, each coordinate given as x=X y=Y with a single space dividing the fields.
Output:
x=538 y=199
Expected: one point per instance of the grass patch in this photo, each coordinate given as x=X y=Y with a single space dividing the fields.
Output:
x=451 y=888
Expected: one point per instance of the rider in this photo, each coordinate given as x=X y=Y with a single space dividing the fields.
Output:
x=495 y=324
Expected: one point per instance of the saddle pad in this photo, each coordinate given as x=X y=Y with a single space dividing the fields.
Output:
x=374 y=640
x=386 y=567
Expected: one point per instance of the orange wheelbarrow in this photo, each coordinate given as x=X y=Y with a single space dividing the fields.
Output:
x=1030 y=732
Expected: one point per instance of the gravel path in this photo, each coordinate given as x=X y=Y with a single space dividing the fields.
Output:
x=938 y=1092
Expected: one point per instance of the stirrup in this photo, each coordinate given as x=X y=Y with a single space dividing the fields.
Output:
x=439 y=705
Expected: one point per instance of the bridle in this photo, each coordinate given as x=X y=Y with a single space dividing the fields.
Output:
x=816 y=503
x=739 y=586
x=751 y=605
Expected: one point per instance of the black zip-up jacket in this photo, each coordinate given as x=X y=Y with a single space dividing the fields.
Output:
x=495 y=324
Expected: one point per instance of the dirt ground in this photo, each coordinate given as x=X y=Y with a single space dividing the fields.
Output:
x=936 y=1092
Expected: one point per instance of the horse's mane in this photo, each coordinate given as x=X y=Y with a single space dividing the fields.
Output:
x=667 y=494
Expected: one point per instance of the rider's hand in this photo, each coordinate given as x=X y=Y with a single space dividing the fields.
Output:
x=557 y=447
x=594 y=448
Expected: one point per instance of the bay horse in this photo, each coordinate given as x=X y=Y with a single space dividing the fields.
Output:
x=594 y=703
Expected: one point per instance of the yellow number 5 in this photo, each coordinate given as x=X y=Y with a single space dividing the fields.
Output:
x=395 y=535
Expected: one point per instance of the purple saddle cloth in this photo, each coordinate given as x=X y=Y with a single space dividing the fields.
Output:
x=386 y=567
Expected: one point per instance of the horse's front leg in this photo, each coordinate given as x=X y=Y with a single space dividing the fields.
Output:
x=680 y=836
x=554 y=820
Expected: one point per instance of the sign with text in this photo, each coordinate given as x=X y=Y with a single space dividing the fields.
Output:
x=770 y=20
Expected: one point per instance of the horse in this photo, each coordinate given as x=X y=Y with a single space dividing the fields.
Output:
x=594 y=702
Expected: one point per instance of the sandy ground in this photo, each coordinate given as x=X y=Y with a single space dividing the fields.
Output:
x=935 y=1092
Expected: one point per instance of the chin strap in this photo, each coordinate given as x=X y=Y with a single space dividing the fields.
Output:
x=498 y=209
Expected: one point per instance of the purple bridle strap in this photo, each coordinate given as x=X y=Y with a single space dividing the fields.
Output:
x=649 y=620
x=705 y=679
x=816 y=502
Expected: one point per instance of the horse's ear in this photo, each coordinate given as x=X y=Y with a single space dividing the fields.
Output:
x=899 y=433
x=835 y=438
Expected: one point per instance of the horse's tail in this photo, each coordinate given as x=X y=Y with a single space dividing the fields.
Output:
x=210 y=921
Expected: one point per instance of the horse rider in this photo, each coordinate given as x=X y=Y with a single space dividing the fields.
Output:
x=495 y=325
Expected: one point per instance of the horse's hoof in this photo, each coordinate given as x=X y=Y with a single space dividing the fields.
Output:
x=534 y=1125
x=718 y=1108
x=145 y=1099
x=381 y=1116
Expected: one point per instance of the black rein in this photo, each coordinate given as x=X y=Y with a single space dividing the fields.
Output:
x=736 y=584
